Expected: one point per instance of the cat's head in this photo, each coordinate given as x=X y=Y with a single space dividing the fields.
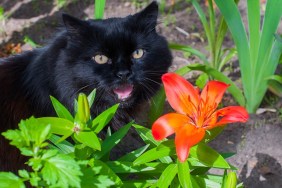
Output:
x=123 y=58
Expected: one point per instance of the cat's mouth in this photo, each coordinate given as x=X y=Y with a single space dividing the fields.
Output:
x=123 y=92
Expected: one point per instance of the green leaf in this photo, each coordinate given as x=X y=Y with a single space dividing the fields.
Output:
x=122 y=167
x=202 y=80
x=60 y=170
x=99 y=175
x=88 y=138
x=58 y=125
x=112 y=141
x=64 y=147
x=24 y=174
x=214 y=159
x=213 y=133
x=104 y=118
x=99 y=8
x=8 y=180
x=148 y=138
x=186 y=48
x=231 y=180
x=157 y=106
x=139 y=183
x=61 y=111
x=91 y=97
x=82 y=152
x=130 y=157
x=31 y=133
x=154 y=154
x=184 y=174
x=167 y=176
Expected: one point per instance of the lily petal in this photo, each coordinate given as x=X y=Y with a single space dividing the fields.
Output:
x=212 y=94
x=168 y=124
x=181 y=95
x=230 y=114
x=185 y=138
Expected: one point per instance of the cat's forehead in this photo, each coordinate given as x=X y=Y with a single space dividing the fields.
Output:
x=114 y=25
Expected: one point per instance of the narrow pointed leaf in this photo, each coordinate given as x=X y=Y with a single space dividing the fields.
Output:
x=88 y=138
x=104 y=118
x=154 y=154
x=61 y=110
x=91 y=98
x=130 y=157
x=167 y=176
x=146 y=135
x=184 y=174
x=112 y=141
x=58 y=125
x=99 y=8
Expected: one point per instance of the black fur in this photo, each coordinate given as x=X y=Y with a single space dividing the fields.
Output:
x=65 y=67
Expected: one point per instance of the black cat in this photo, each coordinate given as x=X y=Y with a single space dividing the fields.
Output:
x=123 y=58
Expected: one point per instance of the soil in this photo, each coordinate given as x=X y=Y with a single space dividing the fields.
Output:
x=257 y=143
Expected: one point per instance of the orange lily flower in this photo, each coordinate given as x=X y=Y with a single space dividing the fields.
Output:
x=195 y=112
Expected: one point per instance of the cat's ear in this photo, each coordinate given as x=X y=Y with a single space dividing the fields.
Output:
x=73 y=25
x=149 y=15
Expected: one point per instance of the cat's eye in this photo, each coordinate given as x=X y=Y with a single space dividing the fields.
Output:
x=100 y=59
x=137 y=54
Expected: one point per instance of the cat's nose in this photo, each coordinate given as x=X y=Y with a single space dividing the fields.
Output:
x=123 y=74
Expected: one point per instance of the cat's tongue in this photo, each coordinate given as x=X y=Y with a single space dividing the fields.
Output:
x=124 y=91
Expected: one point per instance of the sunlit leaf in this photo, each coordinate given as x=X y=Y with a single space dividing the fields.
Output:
x=167 y=176
x=9 y=180
x=61 y=110
x=88 y=138
x=214 y=159
x=104 y=118
x=60 y=170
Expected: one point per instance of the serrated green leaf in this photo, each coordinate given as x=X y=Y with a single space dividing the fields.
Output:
x=112 y=141
x=98 y=171
x=60 y=170
x=31 y=133
x=104 y=118
x=207 y=156
x=8 y=180
x=61 y=110
x=88 y=138
x=59 y=126
x=23 y=174
x=167 y=176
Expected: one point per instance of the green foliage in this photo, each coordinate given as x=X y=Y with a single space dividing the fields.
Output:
x=99 y=9
x=30 y=42
x=258 y=51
